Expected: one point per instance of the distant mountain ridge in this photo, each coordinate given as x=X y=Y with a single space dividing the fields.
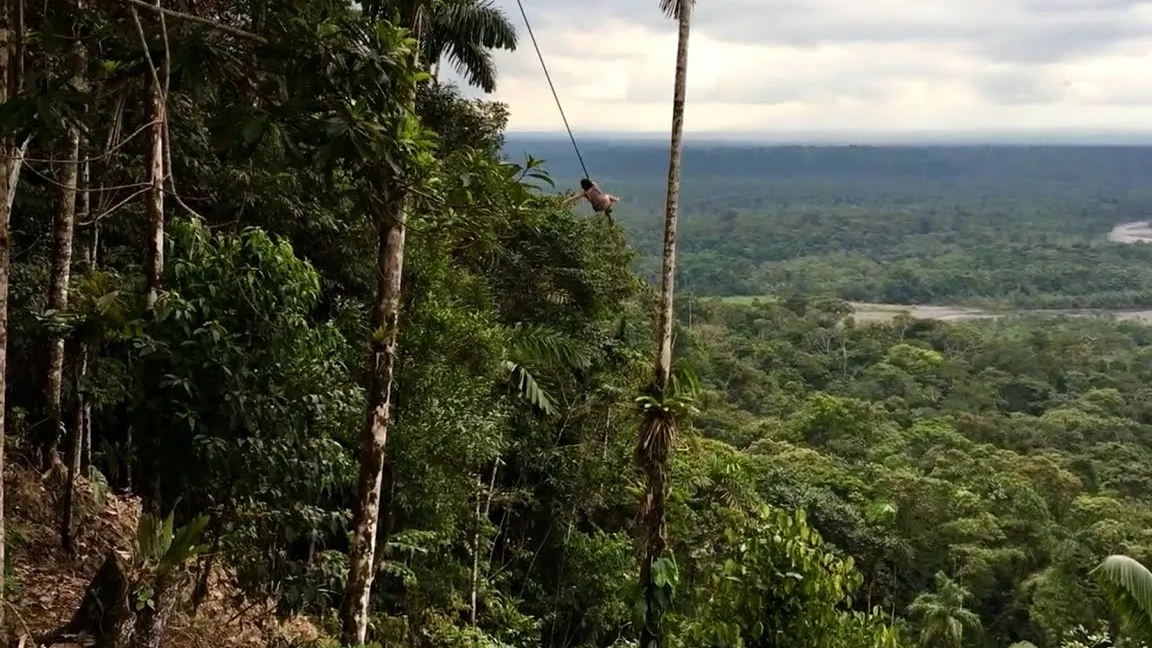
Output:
x=1061 y=137
x=904 y=168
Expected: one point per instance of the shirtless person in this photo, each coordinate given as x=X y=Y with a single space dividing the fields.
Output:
x=600 y=200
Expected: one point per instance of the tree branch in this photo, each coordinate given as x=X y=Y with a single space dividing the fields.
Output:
x=180 y=15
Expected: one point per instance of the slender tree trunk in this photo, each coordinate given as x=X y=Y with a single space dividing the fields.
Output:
x=672 y=204
x=203 y=586
x=127 y=459
x=86 y=440
x=7 y=195
x=104 y=198
x=84 y=208
x=85 y=214
x=11 y=159
x=476 y=553
x=385 y=325
x=655 y=542
x=654 y=461
x=480 y=516
x=61 y=273
x=154 y=260
x=74 y=449
x=354 y=611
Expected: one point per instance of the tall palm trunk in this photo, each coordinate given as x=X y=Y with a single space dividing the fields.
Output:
x=60 y=275
x=672 y=203
x=392 y=228
x=659 y=429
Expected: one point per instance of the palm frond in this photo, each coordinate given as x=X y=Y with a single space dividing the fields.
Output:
x=432 y=48
x=466 y=32
x=671 y=8
x=924 y=605
x=954 y=630
x=658 y=434
x=1128 y=586
x=528 y=389
x=534 y=344
x=730 y=483
x=881 y=512
x=481 y=23
x=968 y=619
x=474 y=63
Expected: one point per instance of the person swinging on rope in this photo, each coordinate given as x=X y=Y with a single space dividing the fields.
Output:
x=600 y=200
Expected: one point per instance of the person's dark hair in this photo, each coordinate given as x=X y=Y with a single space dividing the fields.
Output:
x=585 y=184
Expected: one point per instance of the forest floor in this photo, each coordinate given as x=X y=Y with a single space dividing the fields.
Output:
x=46 y=583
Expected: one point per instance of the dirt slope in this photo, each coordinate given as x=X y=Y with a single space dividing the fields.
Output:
x=46 y=583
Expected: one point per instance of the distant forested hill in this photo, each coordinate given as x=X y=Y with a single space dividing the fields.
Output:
x=1023 y=225
x=861 y=170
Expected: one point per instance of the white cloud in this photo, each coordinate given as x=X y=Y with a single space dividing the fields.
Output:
x=841 y=65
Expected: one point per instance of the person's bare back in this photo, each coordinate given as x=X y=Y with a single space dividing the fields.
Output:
x=600 y=200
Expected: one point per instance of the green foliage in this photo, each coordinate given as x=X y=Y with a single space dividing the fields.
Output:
x=938 y=467
x=254 y=398
x=166 y=548
x=943 y=617
x=1128 y=585
x=655 y=601
x=769 y=580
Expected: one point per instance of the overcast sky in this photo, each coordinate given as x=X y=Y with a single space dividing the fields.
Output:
x=837 y=65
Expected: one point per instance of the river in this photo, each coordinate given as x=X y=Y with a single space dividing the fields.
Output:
x=1136 y=232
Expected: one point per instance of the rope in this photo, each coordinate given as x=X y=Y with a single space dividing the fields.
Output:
x=553 y=88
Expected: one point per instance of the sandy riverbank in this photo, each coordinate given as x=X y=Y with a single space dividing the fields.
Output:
x=867 y=312
x=1136 y=232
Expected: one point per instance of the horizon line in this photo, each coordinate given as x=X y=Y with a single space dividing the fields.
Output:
x=849 y=138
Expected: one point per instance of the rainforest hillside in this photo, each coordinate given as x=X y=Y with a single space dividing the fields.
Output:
x=296 y=350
